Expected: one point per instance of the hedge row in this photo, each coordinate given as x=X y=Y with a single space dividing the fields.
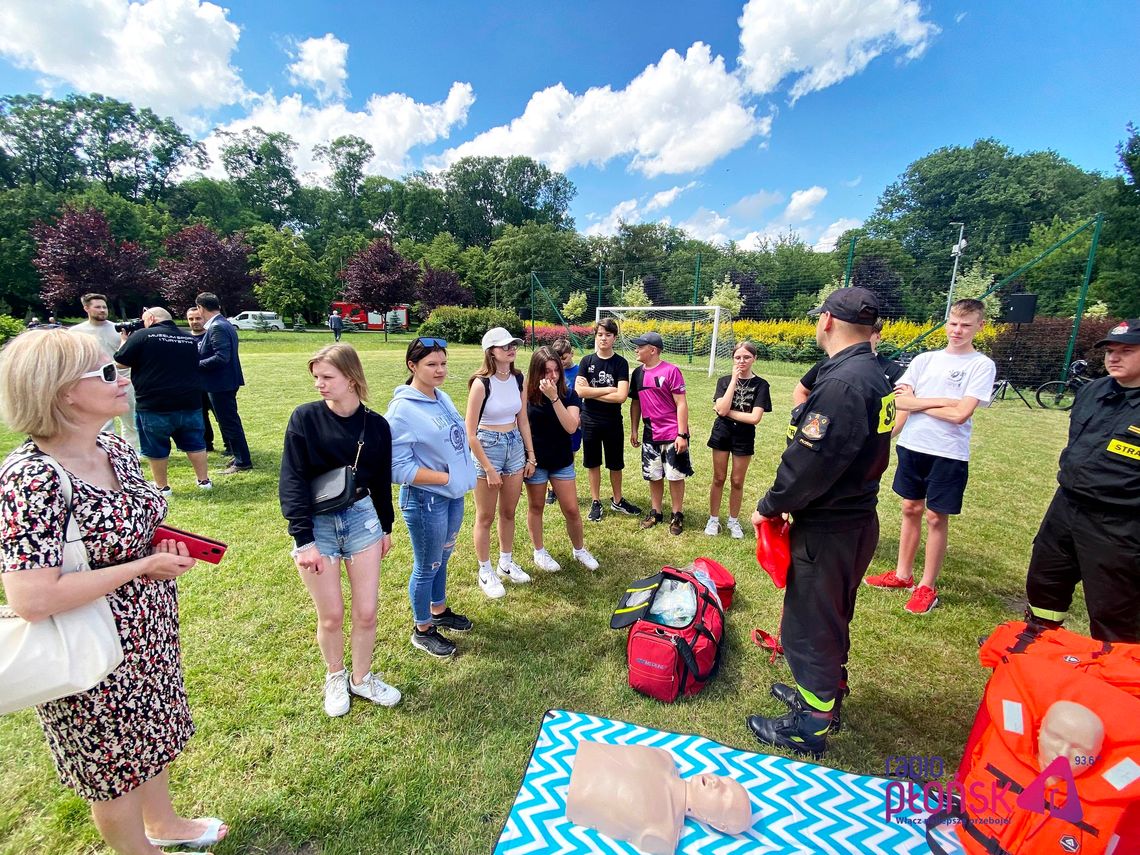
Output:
x=9 y=327
x=466 y=326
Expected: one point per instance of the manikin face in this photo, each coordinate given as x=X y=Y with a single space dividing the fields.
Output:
x=1122 y=361
x=719 y=801
x=331 y=384
x=430 y=371
x=96 y=310
x=1072 y=731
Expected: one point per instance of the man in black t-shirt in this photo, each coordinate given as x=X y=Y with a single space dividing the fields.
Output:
x=891 y=369
x=603 y=386
x=168 y=389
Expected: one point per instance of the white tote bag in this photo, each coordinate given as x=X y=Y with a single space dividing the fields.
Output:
x=66 y=653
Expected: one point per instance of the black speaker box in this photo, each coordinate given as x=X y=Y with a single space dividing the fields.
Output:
x=1018 y=309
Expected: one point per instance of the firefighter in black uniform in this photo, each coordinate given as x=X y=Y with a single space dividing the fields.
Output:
x=828 y=480
x=1091 y=532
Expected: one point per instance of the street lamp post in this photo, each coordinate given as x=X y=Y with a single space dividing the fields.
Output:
x=957 y=253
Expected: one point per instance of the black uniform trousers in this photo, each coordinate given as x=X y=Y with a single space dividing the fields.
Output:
x=209 y=431
x=828 y=563
x=1098 y=547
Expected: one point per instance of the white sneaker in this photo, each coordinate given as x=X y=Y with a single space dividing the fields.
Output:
x=735 y=530
x=543 y=560
x=491 y=585
x=583 y=557
x=712 y=527
x=376 y=690
x=515 y=573
x=206 y=485
x=336 y=693
x=166 y=492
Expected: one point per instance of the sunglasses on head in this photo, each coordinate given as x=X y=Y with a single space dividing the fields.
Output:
x=108 y=373
x=432 y=342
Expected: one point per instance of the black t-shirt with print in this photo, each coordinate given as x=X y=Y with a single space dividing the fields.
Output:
x=750 y=393
x=602 y=373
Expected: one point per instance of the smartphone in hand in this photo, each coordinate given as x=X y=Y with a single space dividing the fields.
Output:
x=201 y=548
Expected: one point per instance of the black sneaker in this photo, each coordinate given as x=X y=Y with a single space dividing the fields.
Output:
x=798 y=731
x=449 y=620
x=651 y=519
x=432 y=642
x=677 y=523
x=595 y=514
x=623 y=507
x=550 y=499
x=785 y=694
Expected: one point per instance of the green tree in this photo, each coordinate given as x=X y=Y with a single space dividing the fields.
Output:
x=20 y=209
x=40 y=141
x=522 y=249
x=973 y=283
x=208 y=200
x=292 y=282
x=575 y=307
x=260 y=164
x=727 y=296
x=1118 y=257
x=1057 y=278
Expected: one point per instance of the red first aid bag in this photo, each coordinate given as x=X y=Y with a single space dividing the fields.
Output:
x=668 y=661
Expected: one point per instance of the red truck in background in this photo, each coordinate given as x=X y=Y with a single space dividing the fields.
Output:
x=396 y=319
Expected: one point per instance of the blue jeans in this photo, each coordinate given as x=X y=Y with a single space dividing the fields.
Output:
x=433 y=524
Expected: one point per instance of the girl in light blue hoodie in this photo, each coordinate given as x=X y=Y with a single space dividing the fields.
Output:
x=432 y=462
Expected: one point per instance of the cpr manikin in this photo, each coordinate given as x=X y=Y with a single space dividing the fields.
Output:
x=1071 y=731
x=634 y=793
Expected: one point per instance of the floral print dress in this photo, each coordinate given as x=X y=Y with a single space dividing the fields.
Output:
x=128 y=728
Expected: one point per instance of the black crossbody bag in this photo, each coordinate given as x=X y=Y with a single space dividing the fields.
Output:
x=335 y=490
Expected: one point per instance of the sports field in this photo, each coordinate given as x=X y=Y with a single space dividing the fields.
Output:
x=438 y=773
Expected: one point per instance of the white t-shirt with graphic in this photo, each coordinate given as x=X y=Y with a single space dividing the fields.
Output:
x=939 y=374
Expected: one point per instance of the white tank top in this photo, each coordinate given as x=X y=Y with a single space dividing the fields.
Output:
x=504 y=402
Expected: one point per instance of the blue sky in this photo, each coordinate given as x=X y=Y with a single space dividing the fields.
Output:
x=731 y=120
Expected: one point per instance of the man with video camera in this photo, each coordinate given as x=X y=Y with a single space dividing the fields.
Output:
x=168 y=387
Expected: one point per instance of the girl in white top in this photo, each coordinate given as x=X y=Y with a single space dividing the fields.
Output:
x=499 y=434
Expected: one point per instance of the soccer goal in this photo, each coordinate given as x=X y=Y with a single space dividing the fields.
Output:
x=690 y=333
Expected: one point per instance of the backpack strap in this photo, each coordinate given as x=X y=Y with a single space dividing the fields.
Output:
x=487 y=390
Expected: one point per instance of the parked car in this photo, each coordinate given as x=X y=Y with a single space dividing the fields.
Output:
x=257 y=321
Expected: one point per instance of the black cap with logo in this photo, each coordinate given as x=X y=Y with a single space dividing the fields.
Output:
x=1125 y=332
x=854 y=305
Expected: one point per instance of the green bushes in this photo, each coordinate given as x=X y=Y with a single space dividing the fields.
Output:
x=466 y=326
x=9 y=327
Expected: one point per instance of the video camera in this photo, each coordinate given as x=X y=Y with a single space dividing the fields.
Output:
x=129 y=326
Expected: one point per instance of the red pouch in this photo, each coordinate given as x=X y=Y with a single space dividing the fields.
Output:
x=773 y=549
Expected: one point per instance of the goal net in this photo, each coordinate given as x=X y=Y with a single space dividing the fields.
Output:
x=696 y=335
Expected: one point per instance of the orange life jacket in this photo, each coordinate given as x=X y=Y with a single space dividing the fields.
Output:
x=1005 y=806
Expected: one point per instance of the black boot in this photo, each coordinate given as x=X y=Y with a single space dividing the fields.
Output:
x=1037 y=625
x=785 y=694
x=798 y=731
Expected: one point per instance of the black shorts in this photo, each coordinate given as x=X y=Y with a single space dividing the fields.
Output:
x=941 y=481
x=607 y=438
x=738 y=439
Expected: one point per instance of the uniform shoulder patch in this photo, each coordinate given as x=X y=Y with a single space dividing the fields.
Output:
x=815 y=426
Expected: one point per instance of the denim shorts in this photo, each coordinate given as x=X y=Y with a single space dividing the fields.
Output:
x=342 y=534
x=504 y=450
x=156 y=430
x=541 y=476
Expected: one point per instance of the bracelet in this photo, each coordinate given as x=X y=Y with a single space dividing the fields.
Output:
x=299 y=549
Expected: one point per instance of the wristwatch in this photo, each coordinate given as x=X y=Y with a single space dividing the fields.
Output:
x=684 y=436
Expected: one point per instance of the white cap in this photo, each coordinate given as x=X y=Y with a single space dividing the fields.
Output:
x=499 y=337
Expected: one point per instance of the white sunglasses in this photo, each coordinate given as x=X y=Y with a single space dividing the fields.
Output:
x=108 y=373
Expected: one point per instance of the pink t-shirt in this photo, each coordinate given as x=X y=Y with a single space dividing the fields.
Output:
x=655 y=389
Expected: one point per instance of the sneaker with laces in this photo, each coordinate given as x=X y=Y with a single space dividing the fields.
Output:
x=622 y=506
x=922 y=600
x=735 y=530
x=336 y=693
x=677 y=523
x=513 y=572
x=712 y=527
x=550 y=499
x=451 y=621
x=651 y=519
x=206 y=485
x=583 y=557
x=491 y=585
x=889 y=580
x=433 y=643
x=595 y=514
x=543 y=560
x=374 y=689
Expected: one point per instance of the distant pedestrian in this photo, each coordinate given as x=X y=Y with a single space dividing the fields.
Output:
x=336 y=324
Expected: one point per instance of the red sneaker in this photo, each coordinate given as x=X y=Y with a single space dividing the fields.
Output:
x=922 y=600
x=889 y=580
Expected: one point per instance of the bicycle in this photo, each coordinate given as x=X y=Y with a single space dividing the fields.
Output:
x=1060 y=394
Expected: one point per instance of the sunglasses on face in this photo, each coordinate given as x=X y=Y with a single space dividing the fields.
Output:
x=509 y=346
x=108 y=373
x=432 y=342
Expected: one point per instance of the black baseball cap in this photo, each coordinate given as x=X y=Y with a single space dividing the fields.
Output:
x=1125 y=332
x=648 y=338
x=854 y=305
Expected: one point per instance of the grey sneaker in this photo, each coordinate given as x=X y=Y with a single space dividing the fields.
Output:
x=595 y=514
x=165 y=492
x=433 y=643
x=622 y=506
x=336 y=693
x=735 y=530
x=374 y=689
x=712 y=527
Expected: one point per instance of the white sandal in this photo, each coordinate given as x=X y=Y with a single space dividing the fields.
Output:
x=212 y=834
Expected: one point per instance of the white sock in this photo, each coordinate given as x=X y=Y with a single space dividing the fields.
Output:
x=541 y=551
x=485 y=566
x=578 y=552
x=734 y=520
x=716 y=519
x=505 y=559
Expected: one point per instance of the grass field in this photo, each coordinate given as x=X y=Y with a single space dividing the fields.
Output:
x=438 y=773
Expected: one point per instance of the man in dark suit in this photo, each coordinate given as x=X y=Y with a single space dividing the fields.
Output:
x=222 y=377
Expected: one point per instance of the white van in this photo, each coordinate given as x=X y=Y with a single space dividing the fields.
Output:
x=257 y=320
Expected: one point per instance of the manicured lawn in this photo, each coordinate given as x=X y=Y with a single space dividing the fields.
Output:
x=438 y=773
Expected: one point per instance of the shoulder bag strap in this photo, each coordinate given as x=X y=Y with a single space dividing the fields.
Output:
x=360 y=439
x=74 y=552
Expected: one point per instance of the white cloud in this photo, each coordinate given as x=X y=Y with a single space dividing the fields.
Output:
x=707 y=225
x=803 y=204
x=750 y=207
x=854 y=182
x=677 y=116
x=170 y=55
x=822 y=42
x=665 y=198
x=622 y=212
x=826 y=241
x=393 y=124
x=960 y=17
x=320 y=65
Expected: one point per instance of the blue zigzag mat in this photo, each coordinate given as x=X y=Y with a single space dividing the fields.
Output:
x=797 y=807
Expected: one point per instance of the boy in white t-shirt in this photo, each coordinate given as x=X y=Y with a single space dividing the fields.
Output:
x=936 y=399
